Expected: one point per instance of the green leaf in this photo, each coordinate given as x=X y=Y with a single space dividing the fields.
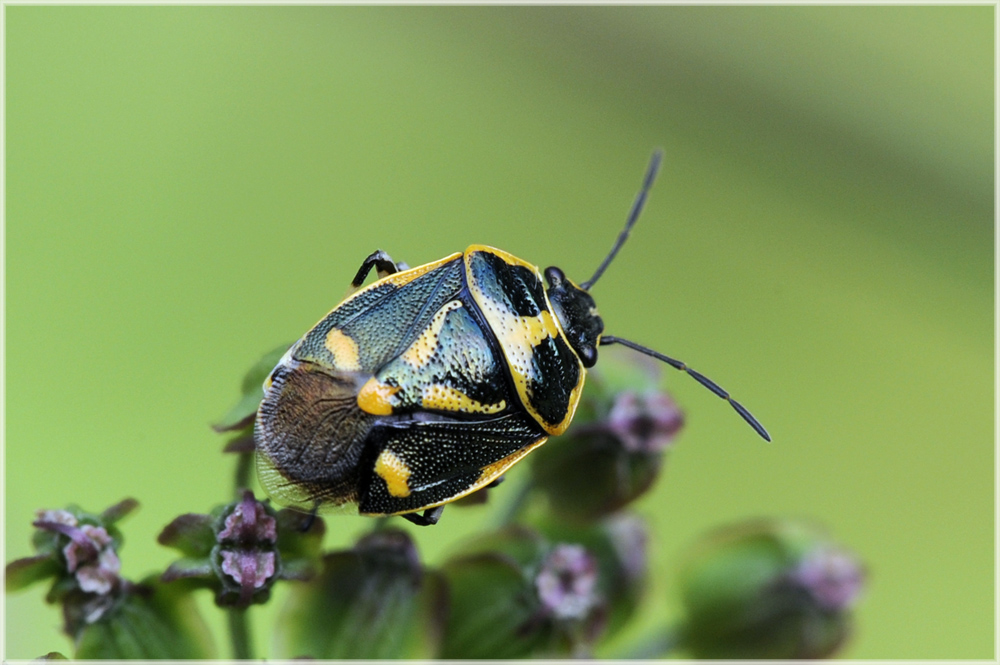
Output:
x=242 y=413
x=150 y=622
x=118 y=511
x=22 y=573
x=190 y=533
x=188 y=567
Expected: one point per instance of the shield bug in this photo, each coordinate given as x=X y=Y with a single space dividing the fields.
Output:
x=431 y=382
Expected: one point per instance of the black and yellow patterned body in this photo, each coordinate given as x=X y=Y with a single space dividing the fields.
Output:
x=419 y=388
x=431 y=382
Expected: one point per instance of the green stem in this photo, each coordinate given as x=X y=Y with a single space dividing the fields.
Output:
x=656 y=646
x=516 y=504
x=239 y=634
x=244 y=465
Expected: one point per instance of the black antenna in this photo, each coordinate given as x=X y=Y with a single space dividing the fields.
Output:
x=633 y=215
x=700 y=378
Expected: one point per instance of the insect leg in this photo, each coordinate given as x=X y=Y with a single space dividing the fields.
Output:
x=430 y=516
x=382 y=263
x=310 y=518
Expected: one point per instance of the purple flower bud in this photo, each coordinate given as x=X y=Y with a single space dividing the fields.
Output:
x=773 y=589
x=630 y=539
x=100 y=576
x=247 y=552
x=644 y=422
x=567 y=582
x=248 y=569
x=833 y=577
x=89 y=554
x=249 y=523
x=56 y=517
x=86 y=544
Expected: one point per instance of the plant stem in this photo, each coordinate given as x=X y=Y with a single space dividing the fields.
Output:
x=516 y=504
x=239 y=634
x=239 y=626
x=656 y=646
x=244 y=464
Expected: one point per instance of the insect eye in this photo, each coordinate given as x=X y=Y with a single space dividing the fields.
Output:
x=554 y=276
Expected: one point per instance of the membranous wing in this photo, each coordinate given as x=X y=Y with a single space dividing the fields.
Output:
x=310 y=436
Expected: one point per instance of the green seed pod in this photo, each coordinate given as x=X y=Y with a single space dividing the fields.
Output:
x=149 y=621
x=514 y=594
x=768 y=589
x=374 y=601
x=618 y=543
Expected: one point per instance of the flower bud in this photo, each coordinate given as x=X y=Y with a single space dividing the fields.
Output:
x=768 y=589
x=107 y=616
x=78 y=551
x=246 y=553
x=614 y=450
x=567 y=583
x=241 y=549
x=514 y=594
x=372 y=601
x=618 y=544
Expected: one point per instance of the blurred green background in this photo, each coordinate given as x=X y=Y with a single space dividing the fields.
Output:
x=187 y=187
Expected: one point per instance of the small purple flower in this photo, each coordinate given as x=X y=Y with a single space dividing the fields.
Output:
x=247 y=547
x=56 y=517
x=769 y=589
x=249 y=523
x=646 y=422
x=242 y=548
x=89 y=554
x=833 y=577
x=248 y=569
x=567 y=582
x=630 y=540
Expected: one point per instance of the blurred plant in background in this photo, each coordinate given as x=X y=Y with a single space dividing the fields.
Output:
x=563 y=568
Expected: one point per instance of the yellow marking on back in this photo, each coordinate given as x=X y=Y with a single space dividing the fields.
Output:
x=394 y=472
x=375 y=397
x=519 y=335
x=487 y=475
x=407 y=276
x=445 y=398
x=506 y=256
x=424 y=347
x=344 y=350
x=525 y=331
x=498 y=468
